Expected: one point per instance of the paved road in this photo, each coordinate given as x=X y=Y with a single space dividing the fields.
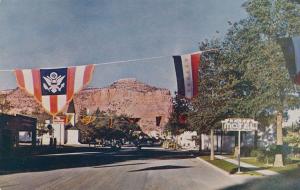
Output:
x=150 y=169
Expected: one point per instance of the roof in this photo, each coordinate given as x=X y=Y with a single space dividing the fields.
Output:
x=71 y=107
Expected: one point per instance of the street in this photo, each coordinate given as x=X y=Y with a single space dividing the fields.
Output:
x=151 y=168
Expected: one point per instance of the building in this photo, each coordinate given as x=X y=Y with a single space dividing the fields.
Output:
x=187 y=140
x=12 y=127
x=71 y=135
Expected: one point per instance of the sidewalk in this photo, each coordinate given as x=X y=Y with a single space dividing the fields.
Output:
x=249 y=166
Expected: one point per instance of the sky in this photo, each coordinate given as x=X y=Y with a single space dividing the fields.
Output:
x=60 y=33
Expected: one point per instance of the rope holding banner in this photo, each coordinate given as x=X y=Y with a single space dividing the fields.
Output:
x=126 y=61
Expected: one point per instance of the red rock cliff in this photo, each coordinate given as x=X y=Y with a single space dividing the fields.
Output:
x=130 y=97
x=125 y=96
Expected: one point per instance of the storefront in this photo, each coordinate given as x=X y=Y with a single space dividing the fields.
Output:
x=10 y=128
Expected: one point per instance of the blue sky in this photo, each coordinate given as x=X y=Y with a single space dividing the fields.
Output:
x=58 y=33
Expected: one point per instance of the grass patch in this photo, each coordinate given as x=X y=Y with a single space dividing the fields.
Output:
x=288 y=167
x=253 y=161
x=227 y=166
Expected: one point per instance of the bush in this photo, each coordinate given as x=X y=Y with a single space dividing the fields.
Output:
x=255 y=152
x=169 y=144
x=246 y=151
x=268 y=155
x=288 y=160
x=261 y=156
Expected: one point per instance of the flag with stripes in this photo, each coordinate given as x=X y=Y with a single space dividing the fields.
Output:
x=186 y=67
x=54 y=88
x=291 y=51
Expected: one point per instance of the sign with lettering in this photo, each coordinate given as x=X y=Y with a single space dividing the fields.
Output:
x=239 y=124
x=59 y=120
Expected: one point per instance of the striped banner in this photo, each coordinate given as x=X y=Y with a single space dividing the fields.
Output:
x=291 y=51
x=54 y=88
x=186 y=67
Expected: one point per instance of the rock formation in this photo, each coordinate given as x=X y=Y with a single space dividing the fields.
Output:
x=130 y=97
x=125 y=96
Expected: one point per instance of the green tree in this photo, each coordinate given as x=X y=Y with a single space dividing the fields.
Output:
x=5 y=105
x=177 y=123
x=251 y=45
x=107 y=126
x=87 y=130
x=217 y=80
x=41 y=117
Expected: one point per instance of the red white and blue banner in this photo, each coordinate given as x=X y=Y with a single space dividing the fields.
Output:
x=187 y=69
x=54 y=88
x=291 y=50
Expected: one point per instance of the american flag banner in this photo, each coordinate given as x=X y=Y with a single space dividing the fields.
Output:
x=186 y=67
x=291 y=51
x=54 y=88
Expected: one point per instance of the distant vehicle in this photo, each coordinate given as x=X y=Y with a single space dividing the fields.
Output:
x=116 y=145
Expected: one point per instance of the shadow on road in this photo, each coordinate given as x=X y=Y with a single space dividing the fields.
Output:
x=286 y=181
x=118 y=165
x=82 y=157
x=167 y=167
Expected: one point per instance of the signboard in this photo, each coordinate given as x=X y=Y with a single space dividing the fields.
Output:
x=59 y=120
x=239 y=124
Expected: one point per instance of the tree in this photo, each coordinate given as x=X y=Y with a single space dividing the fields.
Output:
x=177 y=123
x=216 y=91
x=251 y=45
x=293 y=139
x=106 y=126
x=86 y=129
x=116 y=127
x=5 y=105
x=248 y=77
x=41 y=117
x=128 y=126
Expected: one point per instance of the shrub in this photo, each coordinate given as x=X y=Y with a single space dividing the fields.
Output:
x=246 y=151
x=261 y=156
x=254 y=152
x=268 y=155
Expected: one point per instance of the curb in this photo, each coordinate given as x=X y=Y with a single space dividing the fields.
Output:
x=213 y=166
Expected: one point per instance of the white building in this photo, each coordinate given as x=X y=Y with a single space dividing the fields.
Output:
x=63 y=134
x=224 y=142
x=293 y=118
x=265 y=136
x=72 y=136
x=186 y=140
x=59 y=133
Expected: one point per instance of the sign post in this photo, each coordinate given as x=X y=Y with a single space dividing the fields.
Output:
x=239 y=153
x=239 y=124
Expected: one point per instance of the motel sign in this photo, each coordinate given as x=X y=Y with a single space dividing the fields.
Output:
x=239 y=124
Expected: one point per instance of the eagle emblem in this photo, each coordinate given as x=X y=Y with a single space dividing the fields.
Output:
x=54 y=82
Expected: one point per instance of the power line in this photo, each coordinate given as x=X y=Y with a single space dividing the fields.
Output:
x=124 y=61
